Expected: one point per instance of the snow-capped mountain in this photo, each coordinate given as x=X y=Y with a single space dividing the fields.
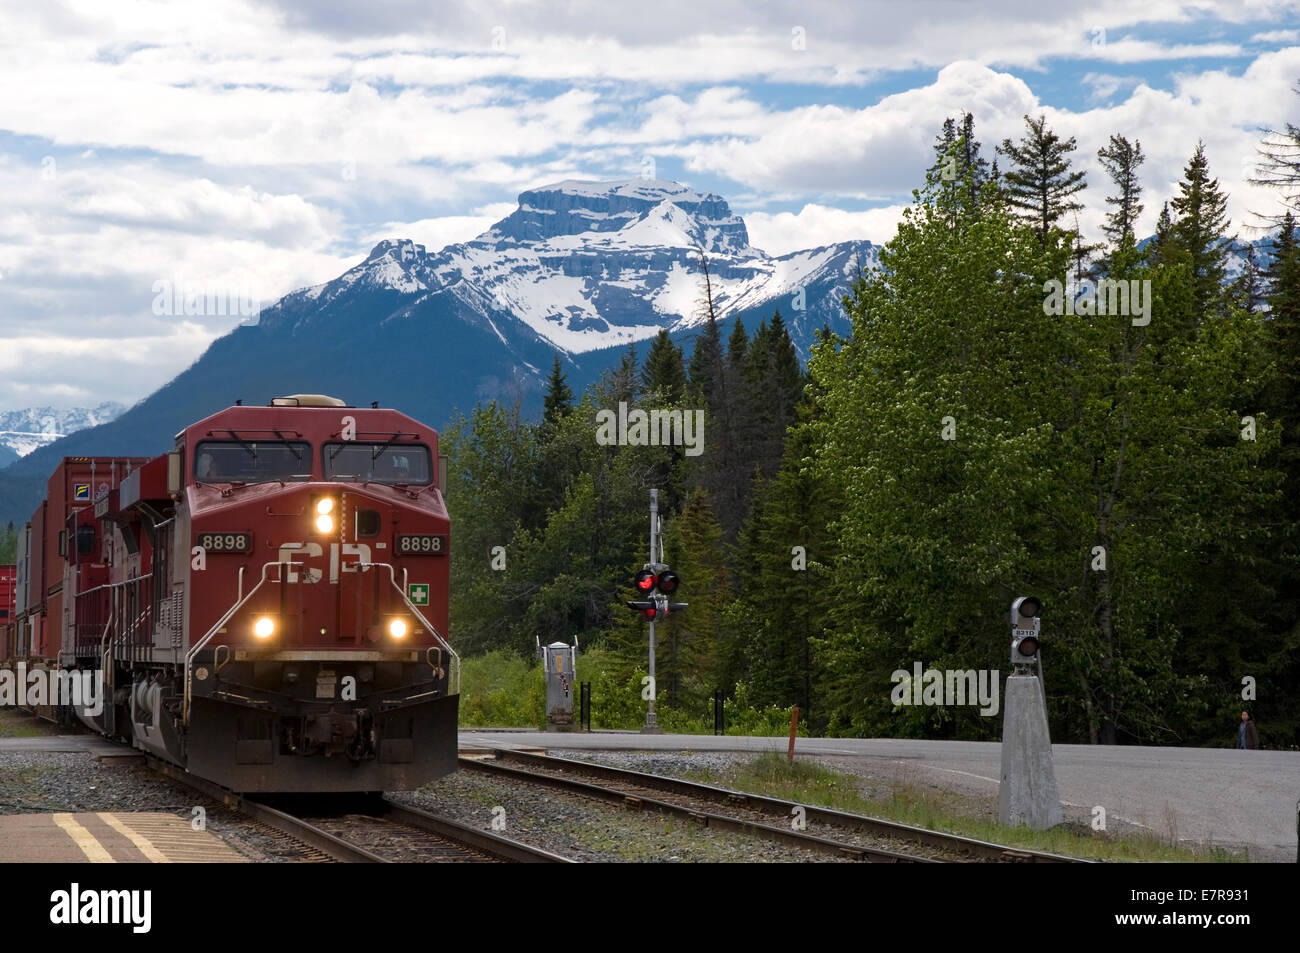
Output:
x=23 y=431
x=590 y=265
x=581 y=269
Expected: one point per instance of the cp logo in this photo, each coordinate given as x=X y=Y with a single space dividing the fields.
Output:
x=338 y=553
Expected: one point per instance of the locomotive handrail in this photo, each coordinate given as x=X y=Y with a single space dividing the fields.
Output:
x=240 y=603
x=392 y=578
x=198 y=646
x=115 y=585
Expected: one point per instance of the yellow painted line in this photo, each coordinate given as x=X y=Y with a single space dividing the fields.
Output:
x=92 y=848
x=139 y=840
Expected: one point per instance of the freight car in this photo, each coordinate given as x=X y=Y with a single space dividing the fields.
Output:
x=265 y=605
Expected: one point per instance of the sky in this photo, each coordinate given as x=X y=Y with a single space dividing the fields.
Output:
x=252 y=147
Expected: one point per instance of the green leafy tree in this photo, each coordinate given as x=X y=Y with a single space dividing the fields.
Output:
x=987 y=448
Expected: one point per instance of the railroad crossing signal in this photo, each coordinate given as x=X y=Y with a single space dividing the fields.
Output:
x=418 y=593
x=647 y=581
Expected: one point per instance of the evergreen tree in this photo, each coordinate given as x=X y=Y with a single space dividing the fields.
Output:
x=559 y=398
x=8 y=545
x=724 y=471
x=968 y=475
x=621 y=383
x=1201 y=230
x=691 y=640
x=706 y=363
x=1281 y=654
x=1163 y=240
x=1249 y=291
x=1121 y=159
x=1280 y=164
x=662 y=374
x=959 y=170
x=1040 y=182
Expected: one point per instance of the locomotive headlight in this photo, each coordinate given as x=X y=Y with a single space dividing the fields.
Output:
x=397 y=628
x=325 y=506
x=264 y=627
x=324 y=522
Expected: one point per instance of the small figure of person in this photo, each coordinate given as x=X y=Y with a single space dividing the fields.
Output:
x=1247 y=736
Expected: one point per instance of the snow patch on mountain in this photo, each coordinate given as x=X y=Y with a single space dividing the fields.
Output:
x=23 y=431
x=591 y=265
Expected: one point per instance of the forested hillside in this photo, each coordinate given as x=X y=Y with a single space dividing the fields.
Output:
x=974 y=438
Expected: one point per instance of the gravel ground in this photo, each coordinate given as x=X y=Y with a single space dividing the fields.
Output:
x=879 y=778
x=571 y=825
x=589 y=830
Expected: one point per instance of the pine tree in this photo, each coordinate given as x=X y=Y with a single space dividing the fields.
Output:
x=1121 y=159
x=559 y=398
x=1040 y=183
x=707 y=357
x=1283 y=401
x=959 y=169
x=1201 y=230
x=692 y=639
x=1280 y=164
x=1162 y=241
x=706 y=363
x=620 y=384
x=724 y=472
x=975 y=166
x=1249 y=291
x=662 y=374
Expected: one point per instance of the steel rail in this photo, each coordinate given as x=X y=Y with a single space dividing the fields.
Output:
x=503 y=848
x=782 y=835
x=337 y=848
x=333 y=847
x=776 y=806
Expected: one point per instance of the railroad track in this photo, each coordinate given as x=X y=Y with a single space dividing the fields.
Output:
x=825 y=830
x=370 y=830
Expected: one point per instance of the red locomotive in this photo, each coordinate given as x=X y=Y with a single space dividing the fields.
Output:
x=266 y=604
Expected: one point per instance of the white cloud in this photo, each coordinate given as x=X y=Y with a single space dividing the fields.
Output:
x=1277 y=36
x=267 y=144
x=813 y=225
x=437 y=233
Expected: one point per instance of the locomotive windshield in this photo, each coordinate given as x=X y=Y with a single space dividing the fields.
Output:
x=252 y=461
x=378 y=462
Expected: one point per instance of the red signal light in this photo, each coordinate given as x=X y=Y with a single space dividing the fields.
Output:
x=668 y=581
x=646 y=580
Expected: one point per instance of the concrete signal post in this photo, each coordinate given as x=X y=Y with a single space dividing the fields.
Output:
x=1027 y=793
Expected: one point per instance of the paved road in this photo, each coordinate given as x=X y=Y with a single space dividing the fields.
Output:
x=1211 y=795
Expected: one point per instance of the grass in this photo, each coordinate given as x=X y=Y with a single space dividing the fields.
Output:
x=907 y=802
x=20 y=724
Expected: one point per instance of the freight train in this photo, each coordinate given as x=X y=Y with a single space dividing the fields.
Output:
x=265 y=605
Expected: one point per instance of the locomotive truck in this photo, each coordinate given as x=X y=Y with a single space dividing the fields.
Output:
x=265 y=605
